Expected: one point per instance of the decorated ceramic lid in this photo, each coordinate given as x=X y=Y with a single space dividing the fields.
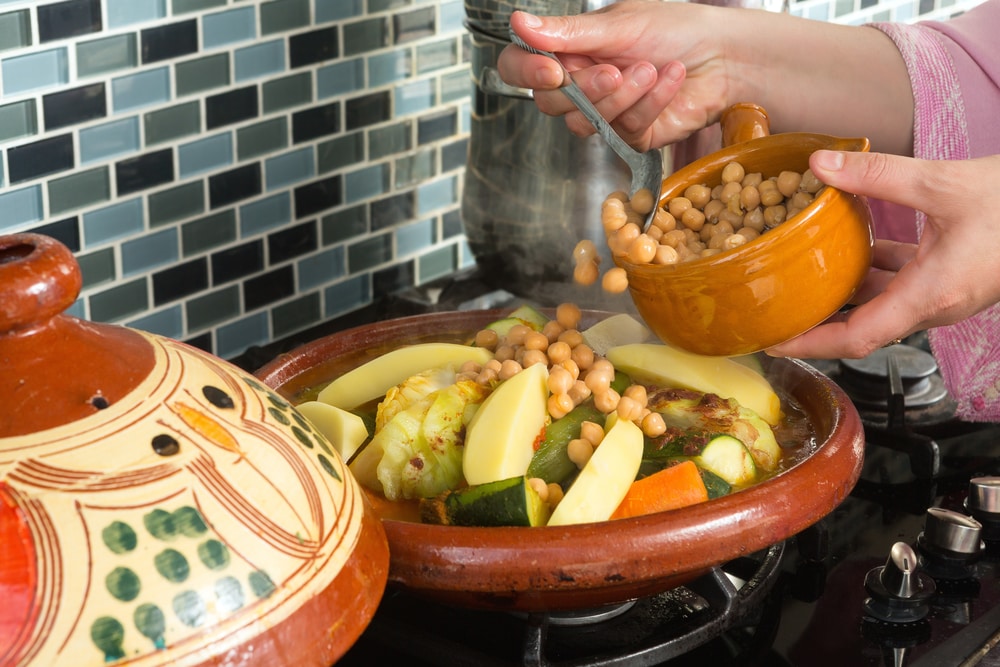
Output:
x=159 y=506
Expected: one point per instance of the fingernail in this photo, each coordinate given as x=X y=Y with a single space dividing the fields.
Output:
x=674 y=72
x=549 y=77
x=830 y=160
x=604 y=82
x=643 y=74
x=530 y=20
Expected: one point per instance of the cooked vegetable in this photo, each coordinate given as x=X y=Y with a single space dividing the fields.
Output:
x=715 y=485
x=691 y=413
x=505 y=502
x=666 y=366
x=728 y=458
x=410 y=391
x=372 y=379
x=551 y=462
x=599 y=488
x=500 y=439
x=673 y=487
x=422 y=444
x=345 y=430
x=614 y=331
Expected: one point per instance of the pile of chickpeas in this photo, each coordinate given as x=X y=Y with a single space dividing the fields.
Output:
x=576 y=373
x=702 y=222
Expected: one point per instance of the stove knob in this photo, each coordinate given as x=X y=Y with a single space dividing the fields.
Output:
x=983 y=503
x=953 y=531
x=899 y=592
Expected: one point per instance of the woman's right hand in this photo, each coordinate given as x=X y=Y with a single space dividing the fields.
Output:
x=628 y=59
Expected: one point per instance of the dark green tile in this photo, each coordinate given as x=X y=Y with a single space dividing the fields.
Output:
x=414 y=168
x=208 y=232
x=213 y=308
x=437 y=263
x=119 y=301
x=79 y=189
x=287 y=92
x=384 y=141
x=173 y=122
x=340 y=152
x=176 y=203
x=282 y=15
x=345 y=224
x=296 y=315
x=364 y=36
x=194 y=76
x=262 y=138
x=106 y=55
x=97 y=267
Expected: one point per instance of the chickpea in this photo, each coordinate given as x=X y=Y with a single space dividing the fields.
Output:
x=770 y=195
x=540 y=487
x=560 y=381
x=495 y=364
x=504 y=352
x=615 y=281
x=571 y=337
x=710 y=252
x=620 y=195
x=674 y=238
x=733 y=241
x=607 y=401
x=753 y=179
x=579 y=392
x=597 y=381
x=583 y=355
x=712 y=210
x=586 y=273
x=749 y=197
x=568 y=315
x=643 y=249
x=699 y=195
x=559 y=352
x=754 y=219
x=809 y=182
x=536 y=340
x=732 y=217
x=559 y=405
x=579 y=451
x=666 y=255
x=555 y=494
x=613 y=218
x=730 y=190
x=678 y=205
x=654 y=233
x=643 y=201
x=552 y=329
x=602 y=365
x=664 y=221
x=487 y=338
x=637 y=393
x=585 y=250
x=471 y=367
x=733 y=172
x=801 y=199
x=628 y=408
x=508 y=369
x=749 y=233
x=693 y=219
x=532 y=357
x=592 y=432
x=788 y=182
x=774 y=215
x=653 y=425
x=486 y=376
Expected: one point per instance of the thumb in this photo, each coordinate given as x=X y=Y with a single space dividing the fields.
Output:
x=576 y=33
x=888 y=177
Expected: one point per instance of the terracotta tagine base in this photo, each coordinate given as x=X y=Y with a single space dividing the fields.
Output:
x=158 y=506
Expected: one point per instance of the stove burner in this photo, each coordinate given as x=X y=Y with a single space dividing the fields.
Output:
x=866 y=380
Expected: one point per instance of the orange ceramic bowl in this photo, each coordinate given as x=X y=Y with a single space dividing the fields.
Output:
x=771 y=289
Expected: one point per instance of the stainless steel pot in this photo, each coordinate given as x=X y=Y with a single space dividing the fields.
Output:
x=532 y=188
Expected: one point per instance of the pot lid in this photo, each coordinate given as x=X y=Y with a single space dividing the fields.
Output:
x=157 y=504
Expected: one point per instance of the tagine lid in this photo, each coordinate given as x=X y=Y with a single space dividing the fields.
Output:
x=159 y=505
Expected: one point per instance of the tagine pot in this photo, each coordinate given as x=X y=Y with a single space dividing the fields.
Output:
x=159 y=506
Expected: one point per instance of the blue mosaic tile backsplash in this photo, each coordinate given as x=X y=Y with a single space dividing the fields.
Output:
x=229 y=172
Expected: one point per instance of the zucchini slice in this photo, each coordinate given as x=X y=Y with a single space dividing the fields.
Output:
x=728 y=458
x=506 y=502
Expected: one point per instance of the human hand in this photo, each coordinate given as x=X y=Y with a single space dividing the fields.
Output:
x=627 y=58
x=951 y=274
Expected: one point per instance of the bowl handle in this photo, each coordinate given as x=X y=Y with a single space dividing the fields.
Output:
x=743 y=122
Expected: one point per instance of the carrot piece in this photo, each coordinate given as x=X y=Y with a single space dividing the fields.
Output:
x=679 y=485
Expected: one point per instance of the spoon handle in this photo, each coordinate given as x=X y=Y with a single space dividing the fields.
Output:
x=583 y=103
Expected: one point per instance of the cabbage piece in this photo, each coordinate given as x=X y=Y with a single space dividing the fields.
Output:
x=422 y=445
x=411 y=391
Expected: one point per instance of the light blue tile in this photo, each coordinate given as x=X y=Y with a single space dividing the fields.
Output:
x=150 y=251
x=113 y=222
x=115 y=138
x=140 y=90
x=437 y=263
x=414 y=97
x=340 y=78
x=19 y=119
x=260 y=60
x=292 y=167
x=436 y=195
x=78 y=309
x=320 y=269
x=452 y=17
x=169 y=323
x=265 y=214
x=346 y=296
x=20 y=207
x=388 y=67
x=127 y=12
x=366 y=182
x=205 y=154
x=35 y=71
x=414 y=237
x=235 y=25
x=233 y=339
x=332 y=10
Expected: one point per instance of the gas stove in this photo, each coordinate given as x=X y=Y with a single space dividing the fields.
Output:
x=903 y=573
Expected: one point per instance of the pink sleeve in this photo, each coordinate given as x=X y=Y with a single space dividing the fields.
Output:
x=955 y=73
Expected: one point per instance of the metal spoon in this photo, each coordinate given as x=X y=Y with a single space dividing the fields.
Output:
x=647 y=168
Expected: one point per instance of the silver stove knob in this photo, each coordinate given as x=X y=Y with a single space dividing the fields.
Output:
x=956 y=532
x=984 y=495
x=898 y=575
